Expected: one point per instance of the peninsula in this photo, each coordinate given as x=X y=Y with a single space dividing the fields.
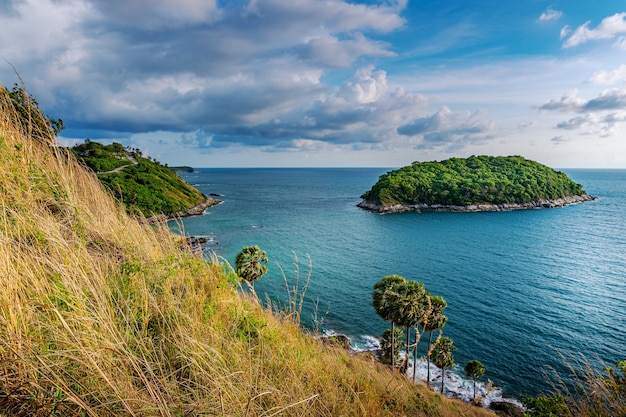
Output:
x=477 y=183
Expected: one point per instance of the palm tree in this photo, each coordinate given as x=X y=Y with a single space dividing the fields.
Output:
x=410 y=308
x=390 y=352
x=474 y=369
x=442 y=356
x=436 y=320
x=250 y=263
x=382 y=304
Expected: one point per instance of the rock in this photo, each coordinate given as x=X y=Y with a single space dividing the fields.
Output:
x=399 y=208
x=340 y=340
x=506 y=409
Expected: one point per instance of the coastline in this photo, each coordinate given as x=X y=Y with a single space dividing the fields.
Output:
x=196 y=210
x=420 y=207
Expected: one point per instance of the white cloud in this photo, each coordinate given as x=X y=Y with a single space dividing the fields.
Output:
x=608 y=28
x=549 y=15
x=367 y=86
x=447 y=128
x=586 y=121
x=568 y=102
x=609 y=77
x=160 y=14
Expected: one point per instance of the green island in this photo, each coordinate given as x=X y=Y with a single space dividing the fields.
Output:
x=477 y=183
x=103 y=314
x=143 y=185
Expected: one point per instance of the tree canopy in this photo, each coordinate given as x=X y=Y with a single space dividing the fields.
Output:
x=473 y=180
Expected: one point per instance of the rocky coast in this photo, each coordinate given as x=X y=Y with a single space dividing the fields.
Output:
x=196 y=210
x=420 y=207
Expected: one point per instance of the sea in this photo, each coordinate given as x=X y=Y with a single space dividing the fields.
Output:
x=532 y=294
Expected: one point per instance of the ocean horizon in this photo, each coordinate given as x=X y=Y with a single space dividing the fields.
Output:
x=525 y=288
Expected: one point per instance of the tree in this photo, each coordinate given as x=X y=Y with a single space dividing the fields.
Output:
x=381 y=300
x=391 y=343
x=474 y=369
x=250 y=263
x=435 y=321
x=442 y=356
x=409 y=302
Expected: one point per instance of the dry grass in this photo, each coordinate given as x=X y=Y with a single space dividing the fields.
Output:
x=589 y=392
x=101 y=315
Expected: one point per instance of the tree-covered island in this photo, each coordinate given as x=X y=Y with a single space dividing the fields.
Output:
x=477 y=183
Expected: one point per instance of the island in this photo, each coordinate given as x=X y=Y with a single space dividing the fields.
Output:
x=477 y=183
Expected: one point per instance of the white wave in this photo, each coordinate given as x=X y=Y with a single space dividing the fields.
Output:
x=456 y=385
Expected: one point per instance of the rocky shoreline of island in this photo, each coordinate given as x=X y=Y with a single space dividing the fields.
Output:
x=422 y=207
x=196 y=210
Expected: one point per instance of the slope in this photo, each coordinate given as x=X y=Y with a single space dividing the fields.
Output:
x=101 y=315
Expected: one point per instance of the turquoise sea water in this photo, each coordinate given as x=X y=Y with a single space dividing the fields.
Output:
x=523 y=287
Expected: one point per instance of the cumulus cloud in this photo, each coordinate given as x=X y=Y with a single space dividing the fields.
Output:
x=607 y=100
x=549 y=15
x=593 y=119
x=446 y=127
x=578 y=122
x=568 y=102
x=367 y=86
x=608 y=28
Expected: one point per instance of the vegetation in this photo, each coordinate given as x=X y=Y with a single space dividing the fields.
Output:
x=474 y=369
x=391 y=342
x=442 y=356
x=34 y=123
x=101 y=315
x=251 y=264
x=475 y=180
x=144 y=186
x=587 y=393
x=183 y=169
x=381 y=300
x=436 y=321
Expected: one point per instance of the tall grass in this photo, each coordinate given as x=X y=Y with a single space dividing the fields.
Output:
x=103 y=315
x=588 y=392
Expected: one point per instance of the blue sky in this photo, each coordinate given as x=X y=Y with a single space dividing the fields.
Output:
x=213 y=83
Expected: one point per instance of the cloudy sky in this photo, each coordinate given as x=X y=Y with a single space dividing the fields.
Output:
x=215 y=83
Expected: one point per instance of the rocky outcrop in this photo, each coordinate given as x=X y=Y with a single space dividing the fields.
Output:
x=507 y=409
x=399 y=208
x=196 y=210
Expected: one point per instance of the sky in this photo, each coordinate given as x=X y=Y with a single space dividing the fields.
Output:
x=328 y=83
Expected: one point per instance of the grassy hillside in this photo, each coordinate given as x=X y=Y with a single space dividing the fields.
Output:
x=144 y=186
x=101 y=316
x=474 y=180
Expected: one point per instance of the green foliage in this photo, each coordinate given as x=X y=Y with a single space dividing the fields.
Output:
x=381 y=299
x=31 y=118
x=474 y=369
x=391 y=345
x=442 y=356
x=102 y=158
x=542 y=406
x=143 y=186
x=474 y=180
x=250 y=263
